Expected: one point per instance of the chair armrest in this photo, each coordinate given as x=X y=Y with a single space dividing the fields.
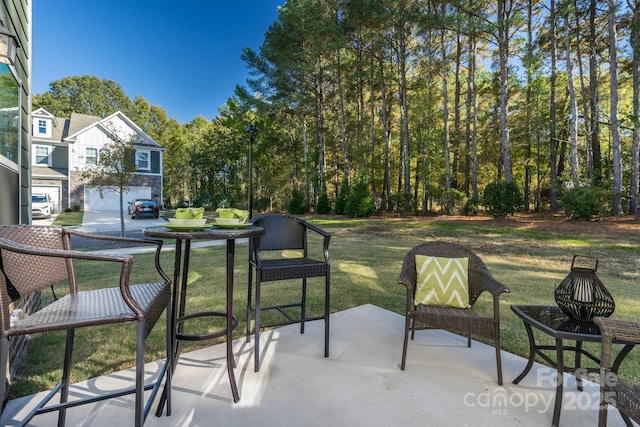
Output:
x=619 y=330
x=146 y=241
x=321 y=232
x=135 y=240
x=125 y=260
x=408 y=276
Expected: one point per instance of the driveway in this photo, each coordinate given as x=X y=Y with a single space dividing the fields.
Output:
x=102 y=221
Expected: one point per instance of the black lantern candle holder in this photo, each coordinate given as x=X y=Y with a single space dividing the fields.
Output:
x=582 y=296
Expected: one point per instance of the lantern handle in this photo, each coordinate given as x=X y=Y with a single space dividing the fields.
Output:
x=595 y=268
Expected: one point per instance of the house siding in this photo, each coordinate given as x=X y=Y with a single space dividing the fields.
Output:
x=16 y=16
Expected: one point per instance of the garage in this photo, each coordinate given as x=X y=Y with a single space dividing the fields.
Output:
x=110 y=200
x=52 y=191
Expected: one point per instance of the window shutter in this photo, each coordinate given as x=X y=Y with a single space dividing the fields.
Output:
x=155 y=162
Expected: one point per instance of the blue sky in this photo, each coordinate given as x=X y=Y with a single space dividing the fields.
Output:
x=181 y=56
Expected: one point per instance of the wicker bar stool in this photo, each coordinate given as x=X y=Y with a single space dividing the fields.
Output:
x=285 y=233
x=35 y=257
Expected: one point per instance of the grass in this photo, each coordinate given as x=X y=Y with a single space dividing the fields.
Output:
x=366 y=256
x=69 y=219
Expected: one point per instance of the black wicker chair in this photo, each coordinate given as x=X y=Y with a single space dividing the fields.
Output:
x=35 y=257
x=285 y=233
x=613 y=390
x=465 y=321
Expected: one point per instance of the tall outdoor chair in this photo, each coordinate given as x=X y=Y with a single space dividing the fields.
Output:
x=613 y=390
x=283 y=254
x=33 y=258
x=459 y=320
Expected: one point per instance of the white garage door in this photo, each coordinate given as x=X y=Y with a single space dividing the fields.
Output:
x=53 y=192
x=110 y=200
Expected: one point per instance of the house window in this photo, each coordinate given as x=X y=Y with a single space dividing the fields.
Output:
x=142 y=160
x=42 y=155
x=9 y=119
x=42 y=126
x=91 y=156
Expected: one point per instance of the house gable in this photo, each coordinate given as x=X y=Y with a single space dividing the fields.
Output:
x=43 y=124
x=87 y=137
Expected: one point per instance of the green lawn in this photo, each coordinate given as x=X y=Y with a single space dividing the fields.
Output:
x=366 y=255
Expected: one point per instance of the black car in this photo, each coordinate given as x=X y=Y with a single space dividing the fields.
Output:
x=140 y=207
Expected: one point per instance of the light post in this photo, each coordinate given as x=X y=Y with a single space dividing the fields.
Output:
x=251 y=131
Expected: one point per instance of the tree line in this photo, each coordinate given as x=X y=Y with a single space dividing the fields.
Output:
x=413 y=99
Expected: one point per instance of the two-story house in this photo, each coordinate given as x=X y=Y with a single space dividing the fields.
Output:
x=62 y=148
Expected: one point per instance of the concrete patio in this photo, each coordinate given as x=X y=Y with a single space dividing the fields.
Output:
x=360 y=384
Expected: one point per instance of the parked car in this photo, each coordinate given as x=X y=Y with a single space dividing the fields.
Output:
x=41 y=206
x=140 y=207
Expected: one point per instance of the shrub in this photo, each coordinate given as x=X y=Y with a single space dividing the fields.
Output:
x=323 y=206
x=400 y=202
x=224 y=202
x=261 y=204
x=359 y=202
x=452 y=201
x=502 y=198
x=296 y=205
x=587 y=202
x=471 y=207
x=341 y=201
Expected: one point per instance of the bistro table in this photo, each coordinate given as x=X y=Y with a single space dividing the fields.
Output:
x=554 y=322
x=181 y=264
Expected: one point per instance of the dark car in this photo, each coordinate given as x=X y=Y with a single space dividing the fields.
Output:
x=140 y=207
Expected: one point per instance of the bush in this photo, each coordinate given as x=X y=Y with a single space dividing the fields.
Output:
x=400 y=202
x=341 y=201
x=296 y=205
x=452 y=201
x=502 y=198
x=359 y=202
x=471 y=207
x=224 y=202
x=587 y=202
x=324 y=206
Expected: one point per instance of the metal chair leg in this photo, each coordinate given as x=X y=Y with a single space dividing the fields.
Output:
x=256 y=327
x=66 y=377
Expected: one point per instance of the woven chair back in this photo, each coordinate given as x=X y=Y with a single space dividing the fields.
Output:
x=21 y=274
x=281 y=232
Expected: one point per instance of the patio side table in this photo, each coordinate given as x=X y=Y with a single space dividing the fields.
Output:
x=552 y=321
x=179 y=293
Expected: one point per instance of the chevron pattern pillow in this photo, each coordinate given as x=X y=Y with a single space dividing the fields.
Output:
x=442 y=281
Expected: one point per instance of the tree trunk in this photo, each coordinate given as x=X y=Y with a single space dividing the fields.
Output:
x=503 y=53
x=584 y=96
x=573 y=118
x=343 y=130
x=594 y=98
x=552 y=111
x=445 y=108
x=635 y=148
x=615 y=127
